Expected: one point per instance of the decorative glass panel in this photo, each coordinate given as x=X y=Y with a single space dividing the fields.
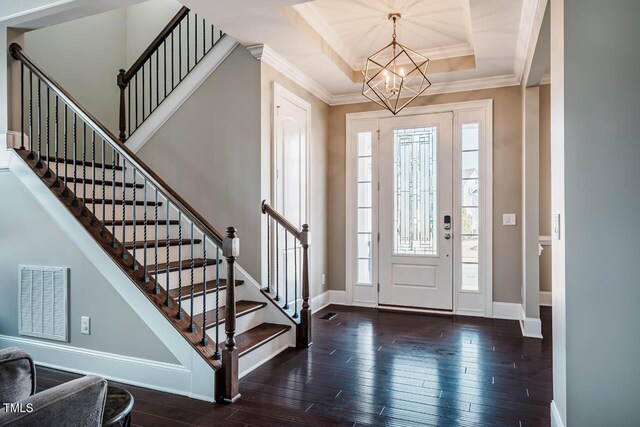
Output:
x=365 y=212
x=414 y=187
x=470 y=194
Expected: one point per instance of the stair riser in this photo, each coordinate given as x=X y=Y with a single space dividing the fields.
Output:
x=259 y=356
x=162 y=252
x=68 y=169
x=243 y=324
x=86 y=190
x=186 y=275
x=211 y=301
x=128 y=212
x=162 y=230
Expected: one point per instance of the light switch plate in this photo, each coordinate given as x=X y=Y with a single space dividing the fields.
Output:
x=509 y=219
x=85 y=325
x=555 y=233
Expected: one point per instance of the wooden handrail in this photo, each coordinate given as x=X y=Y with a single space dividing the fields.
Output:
x=267 y=209
x=155 y=44
x=16 y=52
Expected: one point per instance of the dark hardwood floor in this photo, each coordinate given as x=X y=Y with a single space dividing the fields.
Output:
x=369 y=367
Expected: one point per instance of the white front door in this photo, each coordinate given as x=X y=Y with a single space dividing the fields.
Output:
x=416 y=211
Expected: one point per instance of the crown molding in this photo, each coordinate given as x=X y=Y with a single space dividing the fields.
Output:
x=437 y=88
x=530 y=23
x=267 y=55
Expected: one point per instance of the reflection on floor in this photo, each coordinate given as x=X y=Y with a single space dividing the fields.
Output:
x=368 y=367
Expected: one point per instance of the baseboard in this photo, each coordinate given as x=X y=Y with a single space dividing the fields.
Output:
x=338 y=297
x=507 y=310
x=545 y=298
x=162 y=376
x=181 y=93
x=556 y=420
x=531 y=328
x=320 y=301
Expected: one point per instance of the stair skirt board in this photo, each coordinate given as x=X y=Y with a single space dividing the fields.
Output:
x=266 y=314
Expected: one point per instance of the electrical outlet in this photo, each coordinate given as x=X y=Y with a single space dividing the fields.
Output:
x=324 y=279
x=509 y=219
x=85 y=325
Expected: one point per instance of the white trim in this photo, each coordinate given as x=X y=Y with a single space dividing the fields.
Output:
x=531 y=328
x=264 y=53
x=545 y=240
x=338 y=297
x=35 y=10
x=545 y=79
x=181 y=93
x=507 y=310
x=531 y=19
x=486 y=154
x=320 y=301
x=545 y=298
x=162 y=376
x=556 y=419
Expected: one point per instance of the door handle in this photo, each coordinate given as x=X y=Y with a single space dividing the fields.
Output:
x=447 y=222
x=447 y=236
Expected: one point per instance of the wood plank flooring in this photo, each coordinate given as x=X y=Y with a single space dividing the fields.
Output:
x=376 y=368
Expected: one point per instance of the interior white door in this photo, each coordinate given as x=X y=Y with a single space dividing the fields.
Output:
x=415 y=211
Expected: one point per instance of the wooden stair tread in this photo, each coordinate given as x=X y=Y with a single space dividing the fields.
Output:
x=77 y=162
x=255 y=337
x=242 y=308
x=162 y=243
x=127 y=222
x=198 y=288
x=176 y=265
x=88 y=201
x=99 y=182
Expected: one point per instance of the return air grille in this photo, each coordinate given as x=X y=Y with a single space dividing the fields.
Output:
x=43 y=302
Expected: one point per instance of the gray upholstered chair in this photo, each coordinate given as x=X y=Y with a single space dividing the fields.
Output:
x=77 y=403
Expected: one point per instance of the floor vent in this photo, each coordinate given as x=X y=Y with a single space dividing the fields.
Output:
x=44 y=302
x=328 y=316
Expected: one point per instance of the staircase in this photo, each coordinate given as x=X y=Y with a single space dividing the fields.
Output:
x=182 y=264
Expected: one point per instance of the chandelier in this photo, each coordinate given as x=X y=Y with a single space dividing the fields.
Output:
x=395 y=75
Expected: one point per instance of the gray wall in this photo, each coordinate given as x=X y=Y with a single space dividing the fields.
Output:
x=602 y=209
x=507 y=185
x=209 y=152
x=30 y=237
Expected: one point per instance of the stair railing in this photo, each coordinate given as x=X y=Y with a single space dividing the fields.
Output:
x=60 y=132
x=179 y=47
x=287 y=262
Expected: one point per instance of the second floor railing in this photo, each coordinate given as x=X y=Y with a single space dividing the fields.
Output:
x=179 y=47
x=288 y=271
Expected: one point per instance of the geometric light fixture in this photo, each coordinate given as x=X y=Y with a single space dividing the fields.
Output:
x=395 y=75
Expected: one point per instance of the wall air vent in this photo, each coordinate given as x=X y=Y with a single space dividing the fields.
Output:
x=43 y=300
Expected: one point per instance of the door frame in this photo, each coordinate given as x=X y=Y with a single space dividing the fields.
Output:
x=484 y=297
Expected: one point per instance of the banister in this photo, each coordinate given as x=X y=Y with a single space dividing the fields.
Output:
x=155 y=44
x=16 y=52
x=267 y=209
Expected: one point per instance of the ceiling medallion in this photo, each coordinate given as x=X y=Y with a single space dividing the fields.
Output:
x=395 y=75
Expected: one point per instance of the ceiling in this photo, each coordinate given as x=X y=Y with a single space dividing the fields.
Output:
x=471 y=43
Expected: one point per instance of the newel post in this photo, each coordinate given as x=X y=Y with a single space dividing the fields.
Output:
x=303 y=331
x=229 y=380
x=123 y=122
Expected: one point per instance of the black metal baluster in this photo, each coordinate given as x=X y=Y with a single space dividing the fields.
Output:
x=286 y=270
x=135 y=81
x=164 y=57
x=156 y=289
x=268 y=254
x=195 y=39
x=179 y=314
x=295 y=278
x=173 y=62
x=205 y=341
x=21 y=106
x=124 y=221
x=212 y=37
x=65 y=191
x=179 y=52
x=142 y=95
x=56 y=183
x=150 y=86
x=188 y=62
x=75 y=157
x=204 y=39
x=47 y=174
x=93 y=176
x=31 y=155
x=277 y=298
x=168 y=285
x=134 y=264
x=84 y=168
x=129 y=109
x=157 y=78
x=216 y=355
x=145 y=275
x=192 y=327
x=113 y=198
x=39 y=163
x=104 y=196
